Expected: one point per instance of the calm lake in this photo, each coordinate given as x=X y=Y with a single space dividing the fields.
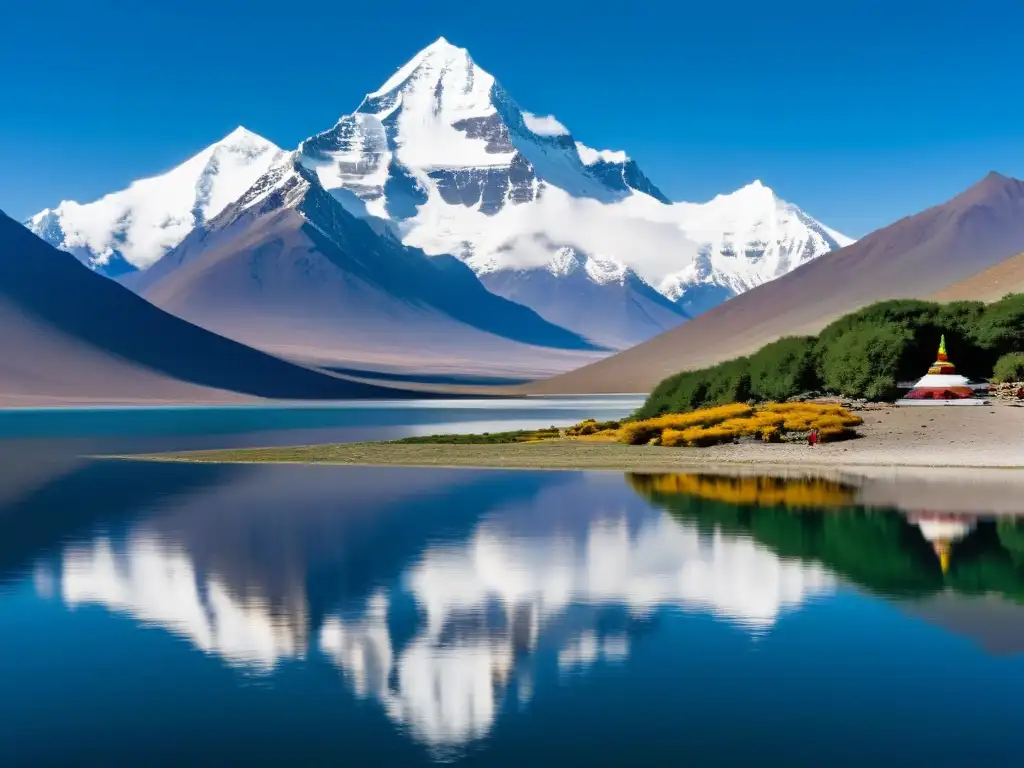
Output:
x=156 y=614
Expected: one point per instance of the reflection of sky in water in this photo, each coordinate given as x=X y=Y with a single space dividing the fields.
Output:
x=142 y=429
x=346 y=613
x=485 y=604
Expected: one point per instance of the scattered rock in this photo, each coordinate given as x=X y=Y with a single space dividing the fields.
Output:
x=1007 y=392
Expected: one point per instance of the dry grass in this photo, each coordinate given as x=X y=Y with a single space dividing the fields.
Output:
x=726 y=423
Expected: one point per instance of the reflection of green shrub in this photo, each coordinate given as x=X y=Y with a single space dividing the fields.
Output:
x=878 y=550
x=862 y=354
x=1009 y=368
x=1011 y=536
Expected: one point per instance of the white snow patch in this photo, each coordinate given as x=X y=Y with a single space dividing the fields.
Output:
x=153 y=215
x=439 y=47
x=564 y=262
x=440 y=86
x=544 y=125
x=593 y=156
x=606 y=271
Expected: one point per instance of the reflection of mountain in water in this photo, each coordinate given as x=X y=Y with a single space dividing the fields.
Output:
x=157 y=583
x=569 y=565
x=491 y=599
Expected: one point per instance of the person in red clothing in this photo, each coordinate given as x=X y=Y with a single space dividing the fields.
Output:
x=812 y=438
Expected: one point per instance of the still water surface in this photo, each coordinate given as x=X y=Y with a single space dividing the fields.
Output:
x=208 y=614
x=156 y=614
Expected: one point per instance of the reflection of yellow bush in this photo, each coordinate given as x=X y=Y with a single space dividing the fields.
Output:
x=711 y=426
x=761 y=491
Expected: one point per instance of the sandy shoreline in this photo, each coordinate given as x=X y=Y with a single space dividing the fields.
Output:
x=949 y=460
x=935 y=437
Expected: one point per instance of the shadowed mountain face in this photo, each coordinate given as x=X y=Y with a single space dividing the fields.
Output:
x=70 y=335
x=913 y=258
x=288 y=269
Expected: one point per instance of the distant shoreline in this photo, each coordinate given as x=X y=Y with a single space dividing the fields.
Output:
x=20 y=404
x=950 y=439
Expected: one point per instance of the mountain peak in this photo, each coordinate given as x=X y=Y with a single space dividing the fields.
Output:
x=245 y=140
x=241 y=132
x=993 y=186
x=433 y=63
x=756 y=187
x=442 y=44
x=754 y=195
x=136 y=226
x=442 y=49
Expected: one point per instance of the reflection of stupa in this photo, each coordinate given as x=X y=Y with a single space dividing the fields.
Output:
x=943 y=531
x=941 y=383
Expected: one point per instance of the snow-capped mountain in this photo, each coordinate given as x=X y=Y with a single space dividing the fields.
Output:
x=444 y=153
x=133 y=228
x=746 y=239
x=442 y=159
x=288 y=269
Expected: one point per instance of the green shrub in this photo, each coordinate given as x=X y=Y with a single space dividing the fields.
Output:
x=862 y=354
x=1000 y=329
x=1009 y=368
x=783 y=368
x=865 y=361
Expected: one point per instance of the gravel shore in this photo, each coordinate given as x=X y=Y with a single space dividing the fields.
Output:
x=938 y=437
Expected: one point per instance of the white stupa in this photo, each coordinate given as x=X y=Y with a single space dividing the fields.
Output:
x=942 y=385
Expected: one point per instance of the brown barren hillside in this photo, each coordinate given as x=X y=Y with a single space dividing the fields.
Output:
x=988 y=285
x=913 y=258
x=69 y=335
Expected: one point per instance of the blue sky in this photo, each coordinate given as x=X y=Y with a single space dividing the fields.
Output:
x=860 y=112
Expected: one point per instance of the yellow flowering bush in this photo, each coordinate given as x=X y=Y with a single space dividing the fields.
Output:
x=722 y=424
x=642 y=432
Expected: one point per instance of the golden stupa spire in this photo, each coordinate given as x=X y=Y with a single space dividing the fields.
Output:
x=942 y=550
x=942 y=364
